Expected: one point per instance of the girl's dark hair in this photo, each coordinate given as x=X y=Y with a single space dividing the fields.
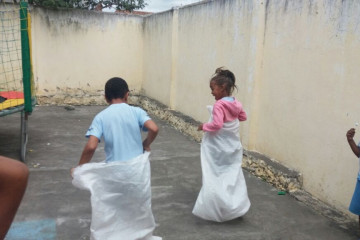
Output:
x=115 y=88
x=224 y=77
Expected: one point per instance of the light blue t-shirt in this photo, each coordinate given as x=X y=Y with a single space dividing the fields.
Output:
x=120 y=125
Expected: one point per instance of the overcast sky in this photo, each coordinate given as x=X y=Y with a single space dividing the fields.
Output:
x=159 y=5
x=163 y=5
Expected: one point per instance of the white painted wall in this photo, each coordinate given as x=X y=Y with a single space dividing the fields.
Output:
x=296 y=68
x=308 y=85
x=76 y=52
x=157 y=67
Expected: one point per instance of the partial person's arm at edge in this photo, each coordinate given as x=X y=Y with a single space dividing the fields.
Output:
x=349 y=135
x=13 y=181
x=152 y=133
x=89 y=150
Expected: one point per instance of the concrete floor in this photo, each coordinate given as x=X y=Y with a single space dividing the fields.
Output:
x=53 y=209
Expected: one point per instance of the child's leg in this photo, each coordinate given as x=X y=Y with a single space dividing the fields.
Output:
x=13 y=181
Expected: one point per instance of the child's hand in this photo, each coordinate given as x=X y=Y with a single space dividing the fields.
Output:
x=350 y=134
x=200 y=128
x=146 y=146
x=72 y=172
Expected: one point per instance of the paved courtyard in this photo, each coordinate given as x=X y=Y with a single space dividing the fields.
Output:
x=53 y=209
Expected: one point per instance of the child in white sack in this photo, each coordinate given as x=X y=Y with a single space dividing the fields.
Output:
x=223 y=195
x=120 y=188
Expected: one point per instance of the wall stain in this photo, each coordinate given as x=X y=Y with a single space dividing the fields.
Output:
x=267 y=10
x=286 y=5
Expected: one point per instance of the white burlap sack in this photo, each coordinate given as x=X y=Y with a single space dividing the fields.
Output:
x=223 y=195
x=120 y=198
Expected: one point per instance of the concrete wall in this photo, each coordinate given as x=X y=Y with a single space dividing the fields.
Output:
x=307 y=94
x=158 y=57
x=75 y=52
x=295 y=63
x=199 y=38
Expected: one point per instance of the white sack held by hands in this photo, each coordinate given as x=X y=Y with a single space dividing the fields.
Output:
x=120 y=198
x=223 y=195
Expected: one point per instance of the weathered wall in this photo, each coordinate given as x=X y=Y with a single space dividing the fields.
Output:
x=307 y=95
x=185 y=50
x=75 y=52
x=295 y=63
x=158 y=56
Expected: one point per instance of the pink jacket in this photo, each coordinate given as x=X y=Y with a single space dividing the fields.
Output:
x=225 y=111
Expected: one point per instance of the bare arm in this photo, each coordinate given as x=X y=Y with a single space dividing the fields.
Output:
x=89 y=150
x=13 y=181
x=350 y=137
x=152 y=133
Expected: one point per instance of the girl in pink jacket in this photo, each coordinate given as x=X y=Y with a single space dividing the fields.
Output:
x=226 y=108
x=223 y=195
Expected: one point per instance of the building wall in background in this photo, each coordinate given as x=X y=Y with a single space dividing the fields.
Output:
x=158 y=56
x=75 y=52
x=307 y=93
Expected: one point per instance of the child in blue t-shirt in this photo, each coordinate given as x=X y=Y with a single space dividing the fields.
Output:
x=120 y=126
x=120 y=188
x=355 y=202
